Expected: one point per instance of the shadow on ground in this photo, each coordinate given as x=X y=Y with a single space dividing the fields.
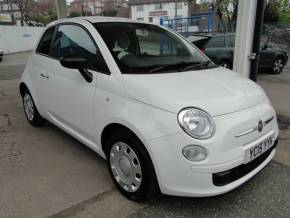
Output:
x=283 y=122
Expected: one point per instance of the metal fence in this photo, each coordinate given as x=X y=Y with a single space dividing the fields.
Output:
x=201 y=22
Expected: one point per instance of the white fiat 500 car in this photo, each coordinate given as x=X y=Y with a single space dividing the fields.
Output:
x=149 y=102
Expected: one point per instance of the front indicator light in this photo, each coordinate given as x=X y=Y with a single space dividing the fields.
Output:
x=194 y=153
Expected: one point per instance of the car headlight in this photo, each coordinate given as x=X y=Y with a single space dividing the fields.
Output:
x=196 y=123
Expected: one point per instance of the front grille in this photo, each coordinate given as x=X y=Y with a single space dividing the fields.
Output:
x=226 y=177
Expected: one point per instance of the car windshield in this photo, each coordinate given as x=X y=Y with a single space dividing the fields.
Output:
x=144 y=48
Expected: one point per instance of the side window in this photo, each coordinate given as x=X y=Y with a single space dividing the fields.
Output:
x=216 y=42
x=44 y=44
x=231 y=41
x=73 y=40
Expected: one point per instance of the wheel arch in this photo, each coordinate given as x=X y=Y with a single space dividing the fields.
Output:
x=113 y=127
x=22 y=88
x=26 y=85
x=279 y=56
x=110 y=128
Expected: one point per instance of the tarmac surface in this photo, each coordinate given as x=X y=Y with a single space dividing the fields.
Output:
x=44 y=172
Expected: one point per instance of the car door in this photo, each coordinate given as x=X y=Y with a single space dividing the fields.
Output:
x=266 y=56
x=69 y=98
x=40 y=63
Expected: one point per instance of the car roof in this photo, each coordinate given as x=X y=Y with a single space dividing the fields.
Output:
x=97 y=19
x=221 y=34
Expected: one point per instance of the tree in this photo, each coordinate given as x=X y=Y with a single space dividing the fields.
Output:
x=75 y=14
x=226 y=11
x=110 y=13
x=23 y=6
x=276 y=10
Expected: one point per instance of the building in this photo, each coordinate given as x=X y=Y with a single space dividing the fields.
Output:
x=153 y=10
x=115 y=4
x=87 y=7
x=11 y=8
x=121 y=6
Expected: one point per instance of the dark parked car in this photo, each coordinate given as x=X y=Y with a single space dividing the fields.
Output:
x=1 y=55
x=220 y=49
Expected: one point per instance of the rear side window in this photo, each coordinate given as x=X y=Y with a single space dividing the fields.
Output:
x=216 y=42
x=73 y=40
x=231 y=41
x=44 y=44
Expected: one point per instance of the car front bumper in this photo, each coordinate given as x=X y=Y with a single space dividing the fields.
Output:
x=178 y=176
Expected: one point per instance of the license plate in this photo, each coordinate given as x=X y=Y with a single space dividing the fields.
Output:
x=258 y=149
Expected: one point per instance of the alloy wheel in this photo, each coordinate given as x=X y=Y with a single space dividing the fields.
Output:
x=278 y=65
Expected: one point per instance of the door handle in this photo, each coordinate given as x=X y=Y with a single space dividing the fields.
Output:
x=44 y=76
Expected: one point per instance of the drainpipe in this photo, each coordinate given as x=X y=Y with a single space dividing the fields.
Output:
x=175 y=26
x=257 y=39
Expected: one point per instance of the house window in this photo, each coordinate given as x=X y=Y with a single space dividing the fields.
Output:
x=98 y=10
x=151 y=19
x=140 y=18
x=158 y=6
x=179 y=5
x=139 y=8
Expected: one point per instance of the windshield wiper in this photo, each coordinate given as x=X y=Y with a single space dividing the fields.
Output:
x=199 y=65
x=169 y=66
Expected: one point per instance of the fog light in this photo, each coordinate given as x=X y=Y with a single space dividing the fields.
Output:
x=194 y=153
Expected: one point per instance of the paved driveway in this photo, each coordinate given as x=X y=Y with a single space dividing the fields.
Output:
x=46 y=173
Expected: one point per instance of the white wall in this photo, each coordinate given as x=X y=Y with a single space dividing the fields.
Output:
x=18 y=38
x=169 y=7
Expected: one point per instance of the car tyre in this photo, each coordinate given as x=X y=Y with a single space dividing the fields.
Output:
x=30 y=110
x=278 y=65
x=130 y=166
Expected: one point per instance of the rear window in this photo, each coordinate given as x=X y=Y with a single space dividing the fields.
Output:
x=216 y=42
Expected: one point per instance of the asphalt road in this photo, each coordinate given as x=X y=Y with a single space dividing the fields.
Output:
x=267 y=195
x=44 y=172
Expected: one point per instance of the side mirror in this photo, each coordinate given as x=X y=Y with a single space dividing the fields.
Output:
x=73 y=62
x=78 y=63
